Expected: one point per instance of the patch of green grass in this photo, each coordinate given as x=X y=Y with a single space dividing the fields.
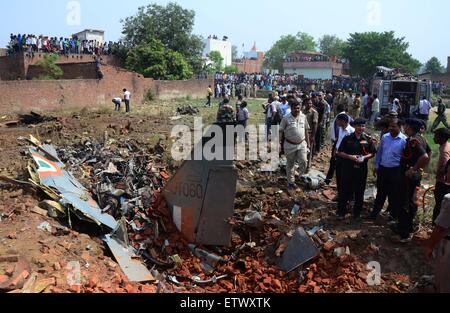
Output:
x=429 y=136
x=254 y=107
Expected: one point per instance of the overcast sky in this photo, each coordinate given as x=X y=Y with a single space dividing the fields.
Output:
x=422 y=23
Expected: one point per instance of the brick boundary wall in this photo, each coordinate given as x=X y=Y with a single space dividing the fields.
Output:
x=16 y=66
x=44 y=96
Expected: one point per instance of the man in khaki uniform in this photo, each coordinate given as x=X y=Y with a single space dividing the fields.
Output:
x=440 y=244
x=312 y=116
x=338 y=102
x=294 y=130
x=348 y=101
x=355 y=109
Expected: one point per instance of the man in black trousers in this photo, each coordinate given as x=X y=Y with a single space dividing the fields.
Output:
x=388 y=171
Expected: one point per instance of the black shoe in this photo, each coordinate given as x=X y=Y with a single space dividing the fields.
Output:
x=406 y=239
x=395 y=229
x=327 y=182
x=371 y=217
x=357 y=218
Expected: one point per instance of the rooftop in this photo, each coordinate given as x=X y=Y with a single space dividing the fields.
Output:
x=91 y=31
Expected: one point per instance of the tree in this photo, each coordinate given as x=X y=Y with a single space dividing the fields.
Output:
x=217 y=60
x=234 y=53
x=286 y=45
x=332 y=46
x=51 y=70
x=366 y=51
x=171 y=25
x=156 y=61
x=434 y=66
x=231 y=69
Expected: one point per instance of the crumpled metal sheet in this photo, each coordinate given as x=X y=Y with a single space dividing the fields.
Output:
x=300 y=250
x=129 y=262
x=71 y=192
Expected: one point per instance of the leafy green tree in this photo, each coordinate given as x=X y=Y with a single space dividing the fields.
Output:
x=434 y=66
x=155 y=61
x=234 y=53
x=172 y=25
x=366 y=51
x=332 y=45
x=51 y=70
x=217 y=60
x=286 y=45
x=230 y=69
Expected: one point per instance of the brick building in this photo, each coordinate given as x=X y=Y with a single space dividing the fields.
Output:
x=91 y=34
x=253 y=61
x=444 y=77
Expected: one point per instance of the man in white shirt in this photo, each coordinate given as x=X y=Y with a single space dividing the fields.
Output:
x=126 y=99
x=365 y=100
x=343 y=121
x=334 y=135
x=375 y=109
x=424 y=109
x=272 y=110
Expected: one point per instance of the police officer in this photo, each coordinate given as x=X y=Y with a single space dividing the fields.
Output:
x=441 y=117
x=439 y=242
x=355 y=151
x=338 y=102
x=226 y=113
x=414 y=159
x=294 y=137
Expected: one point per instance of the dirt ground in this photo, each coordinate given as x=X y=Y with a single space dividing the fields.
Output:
x=51 y=256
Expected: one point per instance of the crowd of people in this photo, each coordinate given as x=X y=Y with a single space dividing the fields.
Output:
x=315 y=58
x=438 y=87
x=399 y=157
x=44 y=44
x=231 y=85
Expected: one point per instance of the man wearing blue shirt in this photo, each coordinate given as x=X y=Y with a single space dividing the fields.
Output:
x=388 y=170
x=285 y=107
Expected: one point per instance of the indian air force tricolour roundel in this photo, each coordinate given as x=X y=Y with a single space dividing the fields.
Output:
x=46 y=168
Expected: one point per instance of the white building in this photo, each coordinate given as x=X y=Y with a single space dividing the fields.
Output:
x=222 y=46
x=91 y=34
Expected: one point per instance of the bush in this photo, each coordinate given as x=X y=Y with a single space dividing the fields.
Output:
x=149 y=96
x=263 y=93
x=231 y=69
x=51 y=70
x=446 y=90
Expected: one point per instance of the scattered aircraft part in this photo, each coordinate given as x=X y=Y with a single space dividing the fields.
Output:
x=300 y=250
x=201 y=197
x=70 y=192
x=129 y=262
